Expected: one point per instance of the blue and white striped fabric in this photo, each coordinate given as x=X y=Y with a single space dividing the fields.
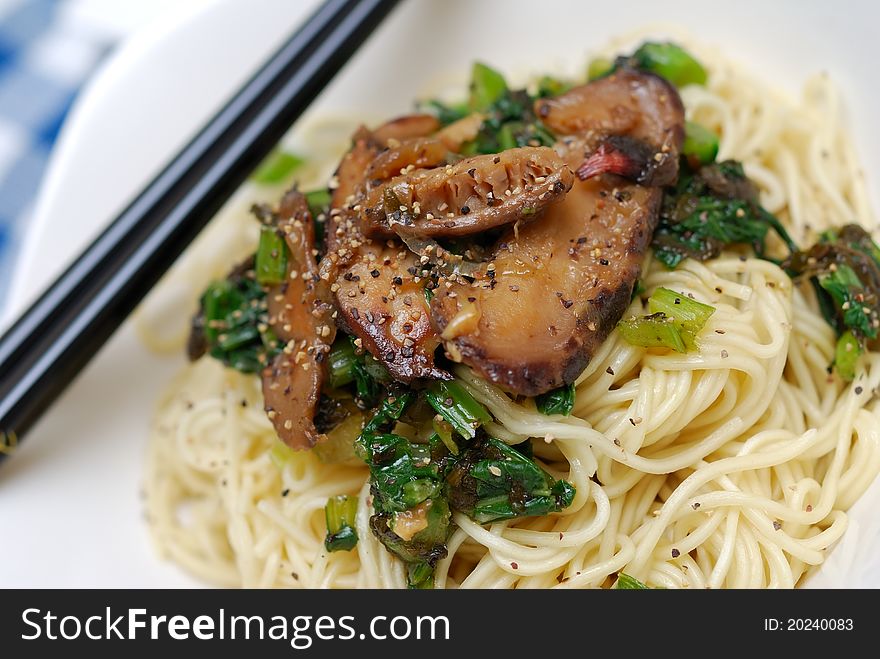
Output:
x=43 y=62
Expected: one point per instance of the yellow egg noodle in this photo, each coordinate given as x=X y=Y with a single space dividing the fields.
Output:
x=728 y=467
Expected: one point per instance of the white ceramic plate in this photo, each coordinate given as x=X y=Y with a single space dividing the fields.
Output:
x=69 y=499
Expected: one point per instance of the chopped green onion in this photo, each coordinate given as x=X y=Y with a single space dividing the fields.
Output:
x=271 y=260
x=277 y=168
x=453 y=402
x=558 y=401
x=654 y=331
x=340 y=513
x=341 y=363
x=626 y=582
x=599 y=68
x=388 y=412
x=846 y=289
x=670 y=61
x=280 y=454
x=688 y=315
x=219 y=300
x=846 y=355
x=345 y=366
x=549 y=86
x=420 y=576
x=318 y=201
x=444 y=429
x=237 y=337
x=429 y=295
x=487 y=86
x=700 y=144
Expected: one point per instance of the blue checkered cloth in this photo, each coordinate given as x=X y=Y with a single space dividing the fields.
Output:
x=43 y=63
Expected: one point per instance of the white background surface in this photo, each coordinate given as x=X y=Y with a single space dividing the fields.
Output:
x=69 y=505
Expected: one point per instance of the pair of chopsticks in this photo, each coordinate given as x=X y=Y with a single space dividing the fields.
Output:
x=58 y=335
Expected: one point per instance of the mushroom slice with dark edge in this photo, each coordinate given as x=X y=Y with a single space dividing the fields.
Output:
x=627 y=124
x=381 y=300
x=299 y=314
x=366 y=145
x=377 y=285
x=473 y=195
x=554 y=291
x=419 y=152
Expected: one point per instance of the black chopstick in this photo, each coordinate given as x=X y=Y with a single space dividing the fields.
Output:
x=56 y=337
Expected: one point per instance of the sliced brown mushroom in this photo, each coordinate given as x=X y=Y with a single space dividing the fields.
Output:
x=457 y=133
x=366 y=146
x=631 y=127
x=473 y=195
x=381 y=300
x=406 y=127
x=555 y=289
x=377 y=285
x=299 y=314
x=418 y=152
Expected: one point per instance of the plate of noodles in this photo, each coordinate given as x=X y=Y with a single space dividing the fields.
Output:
x=591 y=308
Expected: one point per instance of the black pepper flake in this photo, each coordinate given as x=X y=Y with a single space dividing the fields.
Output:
x=858 y=390
x=374 y=273
x=413 y=270
x=514 y=565
x=389 y=356
x=285 y=492
x=397 y=281
x=603 y=262
x=776 y=525
x=471 y=299
x=355 y=313
x=675 y=553
x=465 y=210
x=696 y=505
x=567 y=303
x=496 y=160
x=472 y=171
x=609 y=371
